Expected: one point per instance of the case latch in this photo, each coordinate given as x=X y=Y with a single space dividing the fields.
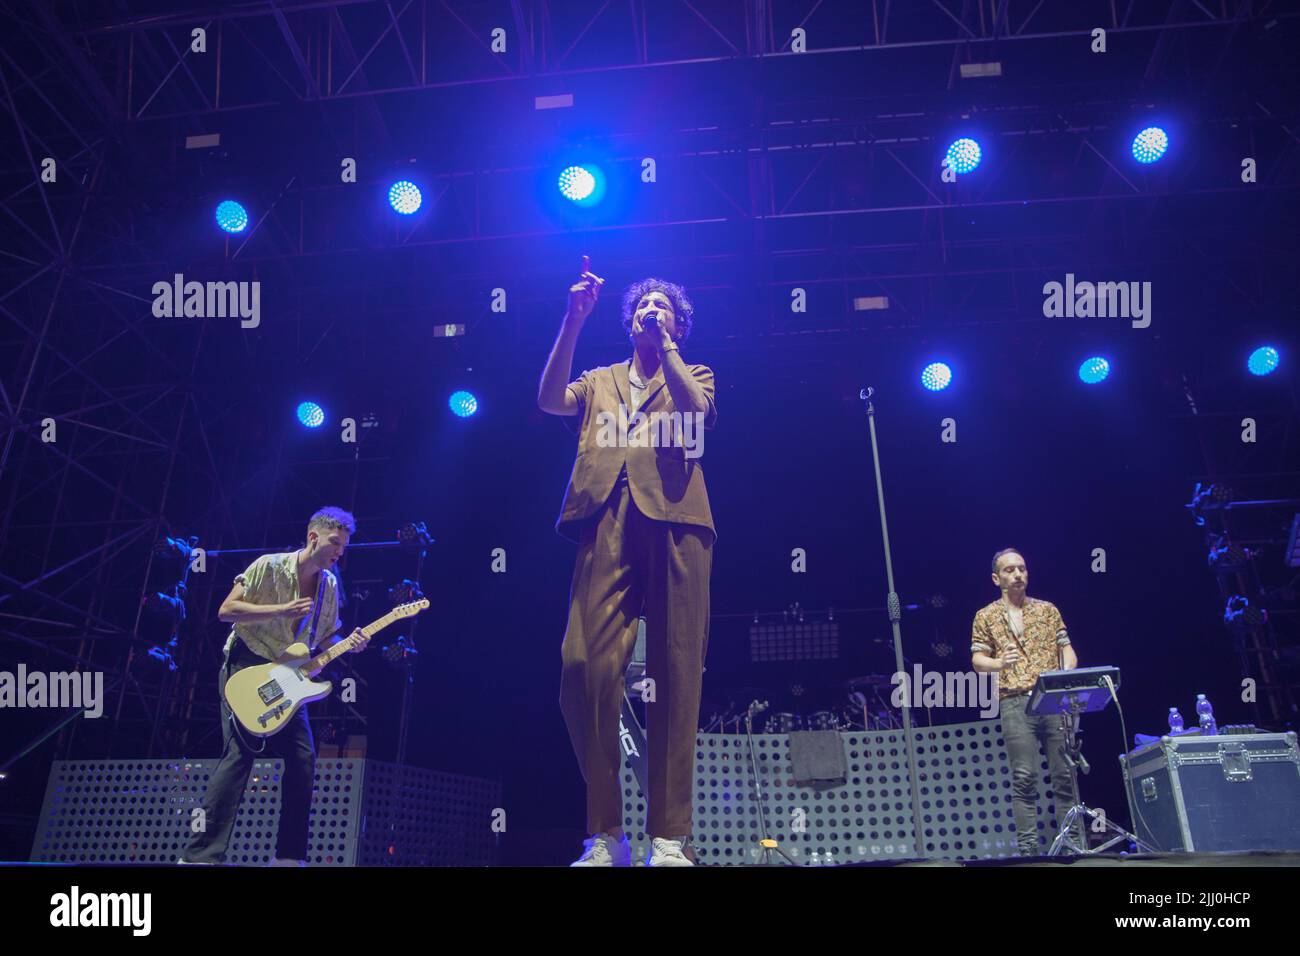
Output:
x=1236 y=763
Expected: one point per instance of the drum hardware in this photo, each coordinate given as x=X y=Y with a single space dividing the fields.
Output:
x=784 y=723
x=822 y=720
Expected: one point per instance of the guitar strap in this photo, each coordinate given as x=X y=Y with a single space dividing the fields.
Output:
x=315 y=618
x=311 y=637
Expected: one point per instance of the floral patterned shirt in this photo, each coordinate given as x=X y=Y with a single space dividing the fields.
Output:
x=1044 y=632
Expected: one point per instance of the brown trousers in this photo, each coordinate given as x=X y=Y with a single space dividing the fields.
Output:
x=627 y=562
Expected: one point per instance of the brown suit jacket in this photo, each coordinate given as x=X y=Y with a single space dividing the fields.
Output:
x=665 y=484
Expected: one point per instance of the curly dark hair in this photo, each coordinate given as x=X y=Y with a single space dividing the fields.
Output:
x=683 y=308
x=330 y=519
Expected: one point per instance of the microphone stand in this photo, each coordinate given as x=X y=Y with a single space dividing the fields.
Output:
x=408 y=684
x=765 y=840
x=895 y=616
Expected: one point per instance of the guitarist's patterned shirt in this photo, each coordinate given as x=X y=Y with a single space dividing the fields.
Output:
x=273 y=579
x=1044 y=631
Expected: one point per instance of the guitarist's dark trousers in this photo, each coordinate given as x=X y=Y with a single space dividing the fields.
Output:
x=226 y=786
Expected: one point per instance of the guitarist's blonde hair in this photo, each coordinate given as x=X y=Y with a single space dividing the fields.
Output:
x=332 y=519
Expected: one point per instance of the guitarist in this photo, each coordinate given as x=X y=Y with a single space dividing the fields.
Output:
x=280 y=599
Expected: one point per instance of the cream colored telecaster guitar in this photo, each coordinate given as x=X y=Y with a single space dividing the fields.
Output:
x=263 y=697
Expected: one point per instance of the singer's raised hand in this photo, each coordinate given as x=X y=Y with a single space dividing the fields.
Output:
x=584 y=293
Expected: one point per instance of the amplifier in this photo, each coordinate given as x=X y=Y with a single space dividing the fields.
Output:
x=1204 y=794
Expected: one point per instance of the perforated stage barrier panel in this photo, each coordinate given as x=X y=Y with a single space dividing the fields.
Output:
x=364 y=812
x=964 y=780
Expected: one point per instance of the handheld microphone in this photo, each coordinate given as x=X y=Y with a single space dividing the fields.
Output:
x=652 y=320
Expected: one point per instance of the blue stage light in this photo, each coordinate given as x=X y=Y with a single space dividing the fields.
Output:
x=1150 y=144
x=1094 y=370
x=404 y=196
x=577 y=183
x=1263 y=361
x=311 y=414
x=963 y=155
x=231 y=216
x=936 y=376
x=463 y=404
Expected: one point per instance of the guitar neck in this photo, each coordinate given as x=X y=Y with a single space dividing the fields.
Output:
x=340 y=648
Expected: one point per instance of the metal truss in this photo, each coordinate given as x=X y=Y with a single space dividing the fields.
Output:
x=93 y=459
x=263 y=53
x=829 y=191
x=79 y=510
x=772 y=172
x=1268 y=647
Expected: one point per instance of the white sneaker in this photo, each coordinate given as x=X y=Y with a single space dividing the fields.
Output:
x=668 y=853
x=282 y=861
x=184 y=862
x=604 y=850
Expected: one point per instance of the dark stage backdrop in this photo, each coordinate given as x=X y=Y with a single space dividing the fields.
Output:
x=1040 y=463
x=775 y=171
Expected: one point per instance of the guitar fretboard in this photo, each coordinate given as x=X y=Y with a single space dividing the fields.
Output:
x=371 y=629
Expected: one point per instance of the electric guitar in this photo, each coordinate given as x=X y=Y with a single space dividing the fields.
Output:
x=265 y=696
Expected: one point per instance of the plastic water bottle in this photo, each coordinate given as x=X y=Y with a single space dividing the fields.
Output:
x=1175 y=721
x=815 y=860
x=1206 y=712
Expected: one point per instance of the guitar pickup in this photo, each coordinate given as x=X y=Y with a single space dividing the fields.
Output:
x=270 y=691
